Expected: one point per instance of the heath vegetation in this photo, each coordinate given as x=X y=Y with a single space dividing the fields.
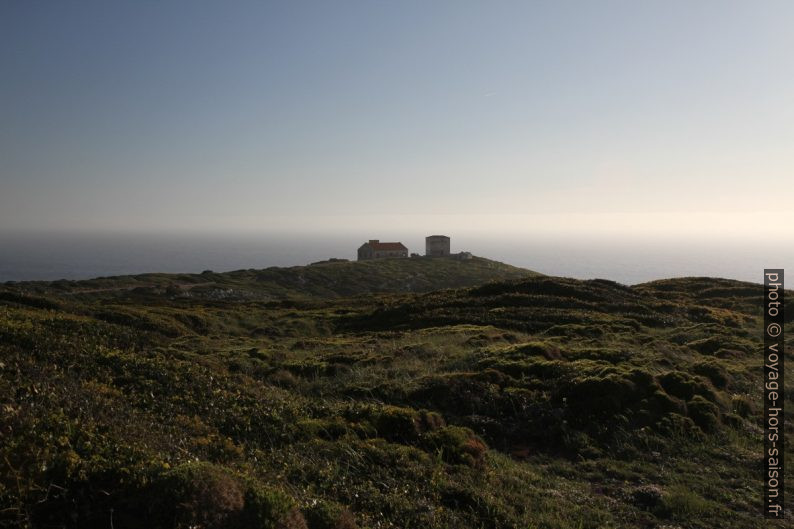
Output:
x=414 y=393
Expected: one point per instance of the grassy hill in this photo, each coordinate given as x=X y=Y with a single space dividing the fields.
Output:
x=327 y=279
x=531 y=401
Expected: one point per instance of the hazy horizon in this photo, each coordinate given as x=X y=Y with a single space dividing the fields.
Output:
x=568 y=127
x=83 y=256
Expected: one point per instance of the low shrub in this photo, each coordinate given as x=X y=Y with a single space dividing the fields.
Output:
x=283 y=378
x=716 y=373
x=208 y=496
x=329 y=515
x=600 y=396
x=685 y=386
x=677 y=384
x=743 y=405
x=270 y=509
x=458 y=445
x=704 y=413
x=394 y=423
x=198 y=494
x=660 y=403
x=682 y=503
x=544 y=349
x=676 y=425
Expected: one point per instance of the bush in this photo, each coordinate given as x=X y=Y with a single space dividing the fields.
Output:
x=604 y=396
x=705 y=414
x=394 y=423
x=330 y=515
x=674 y=424
x=660 y=403
x=677 y=384
x=717 y=374
x=397 y=424
x=208 y=496
x=458 y=445
x=684 y=386
x=270 y=509
x=199 y=494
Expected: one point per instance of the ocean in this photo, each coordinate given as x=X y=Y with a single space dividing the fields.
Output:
x=628 y=261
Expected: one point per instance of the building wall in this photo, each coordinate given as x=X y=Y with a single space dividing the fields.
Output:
x=365 y=252
x=437 y=246
x=391 y=253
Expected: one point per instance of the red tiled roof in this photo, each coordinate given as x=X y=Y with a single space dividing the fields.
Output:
x=387 y=246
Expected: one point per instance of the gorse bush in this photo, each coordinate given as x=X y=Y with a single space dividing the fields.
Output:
x=198 y=494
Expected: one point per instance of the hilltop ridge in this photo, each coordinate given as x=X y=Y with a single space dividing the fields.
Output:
x=325 y=279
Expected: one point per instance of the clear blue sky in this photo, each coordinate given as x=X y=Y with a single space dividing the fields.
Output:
x=670 y=116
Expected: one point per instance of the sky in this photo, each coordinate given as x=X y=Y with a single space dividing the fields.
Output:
x=672 y=118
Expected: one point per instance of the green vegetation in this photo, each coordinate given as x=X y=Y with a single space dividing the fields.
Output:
x=300 y=399
x=323 y=280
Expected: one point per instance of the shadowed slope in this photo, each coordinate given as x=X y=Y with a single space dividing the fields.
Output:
x=534 y=402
